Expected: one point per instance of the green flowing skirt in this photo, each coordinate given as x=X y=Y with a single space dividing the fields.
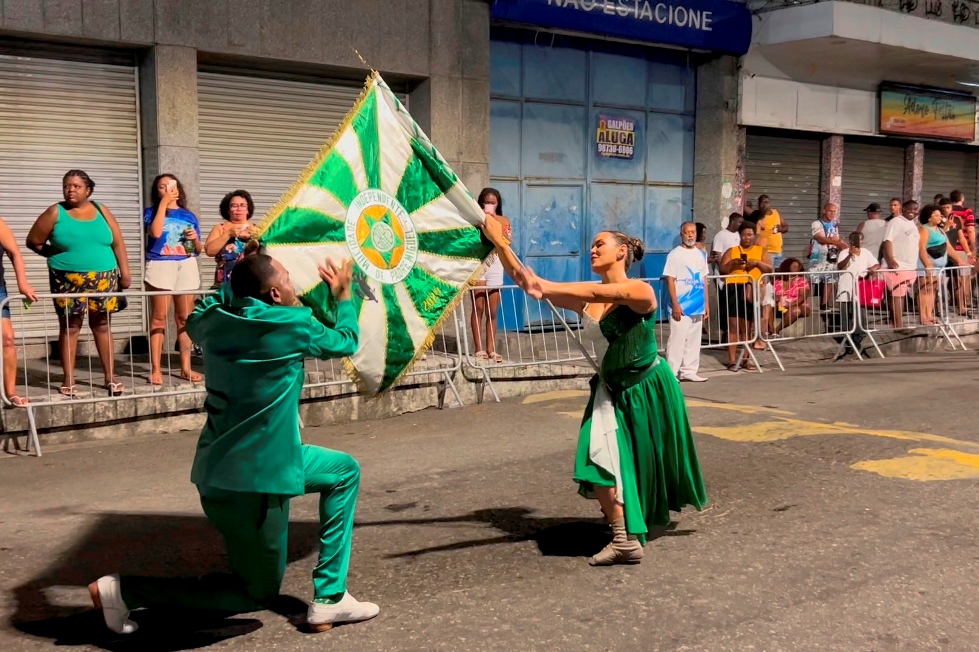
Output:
x=658 y=459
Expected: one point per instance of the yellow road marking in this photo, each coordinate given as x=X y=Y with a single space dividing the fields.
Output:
x=925 y=465
x=921 y=464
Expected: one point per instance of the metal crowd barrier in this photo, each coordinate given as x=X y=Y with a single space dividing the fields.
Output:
x=40 y=377
x=527 y=335
x=906 y=302
x=809 y=305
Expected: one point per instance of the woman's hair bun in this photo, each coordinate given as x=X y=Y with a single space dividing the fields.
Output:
x=638 y=249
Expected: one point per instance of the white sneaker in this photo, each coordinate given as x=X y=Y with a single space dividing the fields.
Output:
x=694 y=379
x=322 y=617
x=106 y=594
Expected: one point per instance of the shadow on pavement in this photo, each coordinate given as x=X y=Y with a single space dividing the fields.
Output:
x=161 y=545
x=555 y=537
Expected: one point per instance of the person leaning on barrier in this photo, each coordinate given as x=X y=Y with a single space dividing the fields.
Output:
x=9 y=245
x=960 y=275
x=743 y=266
x=859 y=263
x=935 y=254
x=86 y=254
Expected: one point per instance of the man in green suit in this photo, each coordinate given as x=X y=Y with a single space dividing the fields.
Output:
x=250 y=459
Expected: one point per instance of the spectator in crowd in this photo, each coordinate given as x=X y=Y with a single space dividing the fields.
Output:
x=959 y=276
x=686 y=274
x=744 y=265
x=486 y=294
x=724 y=239
x=173 y=236
x=764 y=210
x=968 y=218
x=935 y=251
x=824 y=250
x=86 y=254
x=791 y=293
x=872 y=230
x=701 y=237
x=770 y=226
x=896 y=209
x=860 y=263
x=938 y=199
x=900 y=249
x=226 y=242
x=9 y=245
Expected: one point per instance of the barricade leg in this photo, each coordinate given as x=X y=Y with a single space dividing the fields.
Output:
x=32 y=440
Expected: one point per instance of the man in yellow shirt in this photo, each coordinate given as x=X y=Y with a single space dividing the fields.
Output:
x=771 y=226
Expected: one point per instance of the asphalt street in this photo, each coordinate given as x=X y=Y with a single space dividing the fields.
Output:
x=842 y=516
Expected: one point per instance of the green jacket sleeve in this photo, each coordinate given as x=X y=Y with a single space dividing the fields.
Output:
x=223 y=295
x=338 y=342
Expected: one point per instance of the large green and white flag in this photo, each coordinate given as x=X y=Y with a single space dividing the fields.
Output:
x=380 y=193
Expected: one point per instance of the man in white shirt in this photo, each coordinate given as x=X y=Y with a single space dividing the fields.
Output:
x=859 y=262
x=686 y=281
x=872 y=229
x=900 y=250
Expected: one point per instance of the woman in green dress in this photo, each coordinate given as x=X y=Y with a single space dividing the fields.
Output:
x=636 y=453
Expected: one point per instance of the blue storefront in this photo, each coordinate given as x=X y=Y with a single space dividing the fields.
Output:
x=593 y=121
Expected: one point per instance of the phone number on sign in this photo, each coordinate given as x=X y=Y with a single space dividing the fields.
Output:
x=616 y=150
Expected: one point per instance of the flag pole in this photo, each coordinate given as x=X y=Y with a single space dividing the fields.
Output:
x=567 y=328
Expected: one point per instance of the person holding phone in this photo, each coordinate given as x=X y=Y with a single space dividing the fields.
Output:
x=226 y=242
x=742 y=266
x=173 y=234
x=860 y=262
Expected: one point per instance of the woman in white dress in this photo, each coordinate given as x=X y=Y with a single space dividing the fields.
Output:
x=486 y=295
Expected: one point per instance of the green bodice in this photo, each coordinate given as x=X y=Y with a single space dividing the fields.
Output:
x=632 y=347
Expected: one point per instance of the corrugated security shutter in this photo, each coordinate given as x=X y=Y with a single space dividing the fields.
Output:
x=872 y=173
x=55 y=116
x=948 y=170
x=787 y=170
x=258 y=134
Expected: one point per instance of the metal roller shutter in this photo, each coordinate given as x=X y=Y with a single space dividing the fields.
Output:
x=948 y=170
x=786 y=168
x=258 y=134
x=872 y=173
x=55 y=116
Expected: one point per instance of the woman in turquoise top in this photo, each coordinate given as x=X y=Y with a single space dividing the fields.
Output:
x=86 y=253
x=934 y=253
x=636 y=452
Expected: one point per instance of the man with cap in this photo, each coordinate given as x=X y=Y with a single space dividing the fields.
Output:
x=872 y=230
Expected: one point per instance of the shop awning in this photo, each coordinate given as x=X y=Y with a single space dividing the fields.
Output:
x=858 y=46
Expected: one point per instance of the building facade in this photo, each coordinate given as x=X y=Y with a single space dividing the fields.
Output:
x=225 y=94
x=856 y=103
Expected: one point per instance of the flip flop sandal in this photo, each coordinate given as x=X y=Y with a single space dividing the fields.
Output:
x=497 y=358
x=115 y=389
x=481 y=355
x=19 y=401
x=69 y=391
x=193 y=377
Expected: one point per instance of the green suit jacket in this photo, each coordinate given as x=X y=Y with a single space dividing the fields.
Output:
x=253 y=366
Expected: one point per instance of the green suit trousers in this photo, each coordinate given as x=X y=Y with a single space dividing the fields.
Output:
x=255 y=528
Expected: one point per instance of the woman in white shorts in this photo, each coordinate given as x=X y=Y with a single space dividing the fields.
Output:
x=486 y=295
x=173 y=236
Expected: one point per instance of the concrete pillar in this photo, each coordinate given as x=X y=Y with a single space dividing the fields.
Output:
x=914 y=171
x=719 y=156
x=831 y=172
x=452 y=105
x=168 y=116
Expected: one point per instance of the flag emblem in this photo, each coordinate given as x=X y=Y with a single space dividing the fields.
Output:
x=381 y=194
x=381 y=237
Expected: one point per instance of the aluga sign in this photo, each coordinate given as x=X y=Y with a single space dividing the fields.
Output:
x=713 y=25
